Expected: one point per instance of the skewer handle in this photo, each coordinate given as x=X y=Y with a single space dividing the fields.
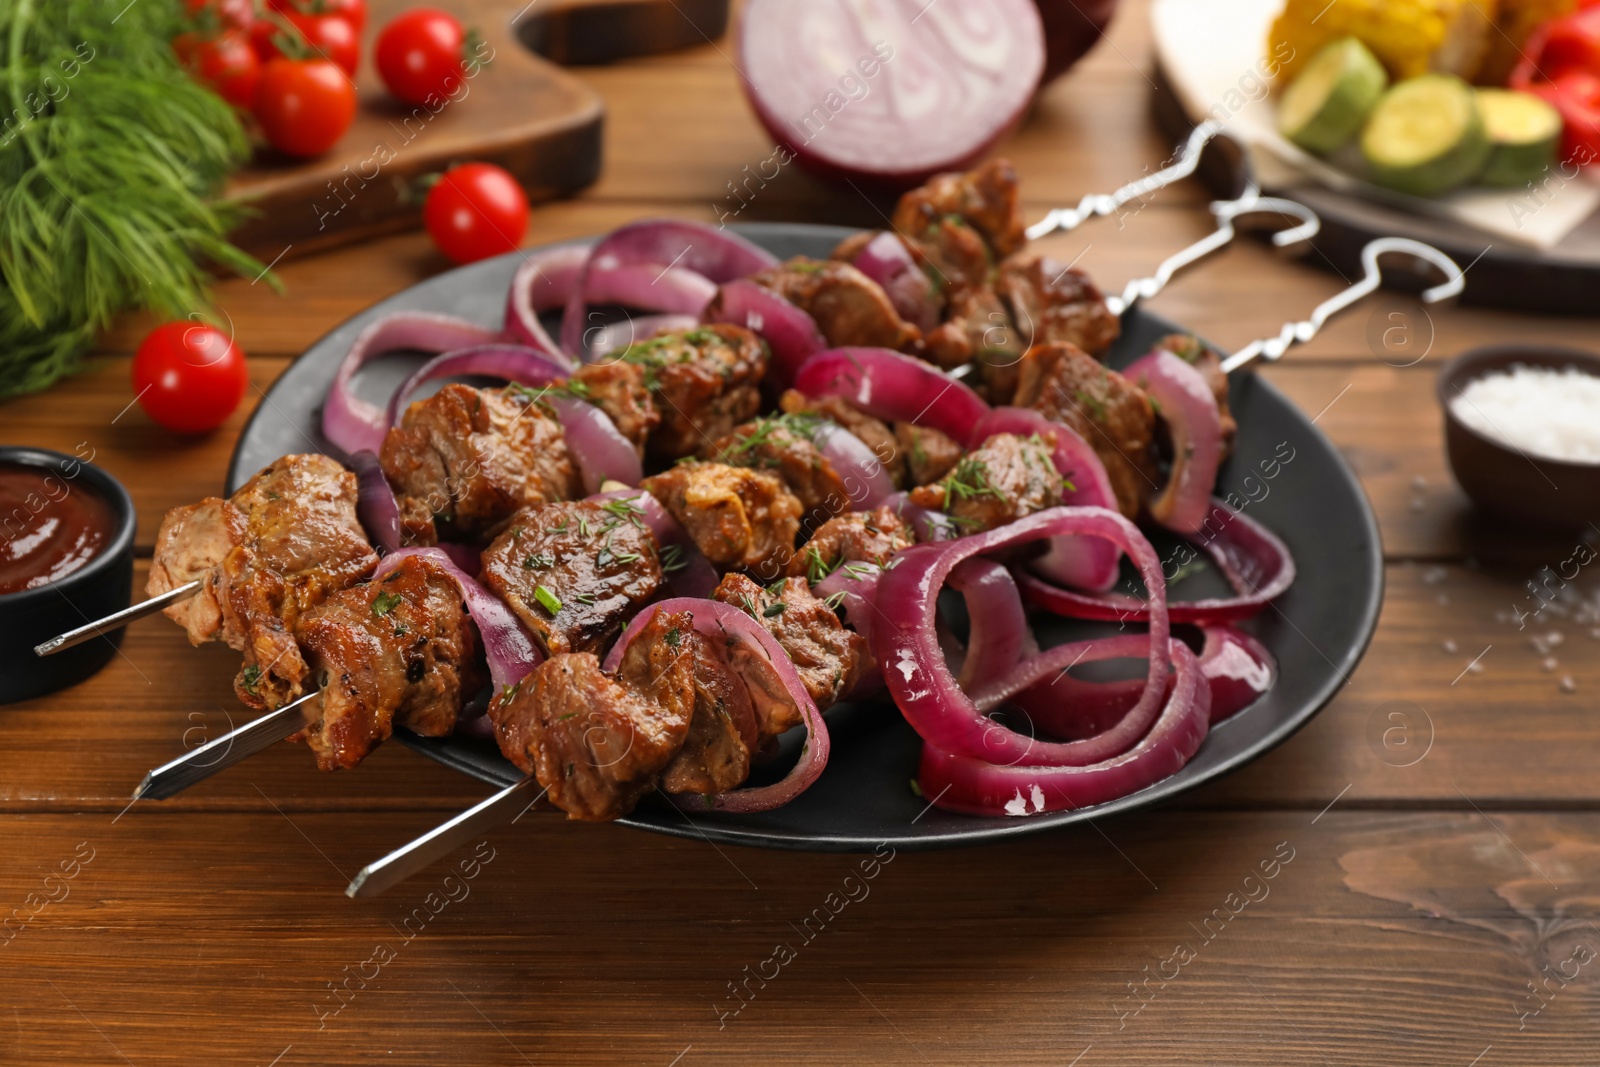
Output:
x=1293 y=333
x=199 y=764
x=403 y=862
x=118 y=620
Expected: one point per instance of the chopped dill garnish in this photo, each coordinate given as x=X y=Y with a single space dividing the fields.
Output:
x=970 y=481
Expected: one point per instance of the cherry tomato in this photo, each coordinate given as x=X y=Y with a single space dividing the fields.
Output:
x=189 y=377
x=225 y=62
x=304 y=105
x=323 y=37
x=353 y=11
x=421 y=55
x=475 y=211
x=230 y=14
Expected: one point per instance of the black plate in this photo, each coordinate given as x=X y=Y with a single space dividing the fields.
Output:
x=1318 y=629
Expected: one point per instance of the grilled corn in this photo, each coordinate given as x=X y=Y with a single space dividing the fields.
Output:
x=1411 y=37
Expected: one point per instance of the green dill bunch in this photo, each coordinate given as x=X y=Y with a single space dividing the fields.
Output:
x=109 y=155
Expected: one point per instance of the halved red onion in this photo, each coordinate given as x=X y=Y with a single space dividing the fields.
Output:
x=1238 y=667
x=604 y=340
x=894 y=387
x=598 y=448
x=543 y=281
x=376 y=506
x=722 y=622
x=514 y=363
x=790 y=333
x=1081 y=562
x=886 y=260
x=927 y=692
x=1255 y=562
x=353 y=424
x=619 y=269
x=510 y=650
x=1189 y=409
x=999 y=635
x=858 y=467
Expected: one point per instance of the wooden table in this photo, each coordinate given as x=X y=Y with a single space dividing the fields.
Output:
x=1435 y=873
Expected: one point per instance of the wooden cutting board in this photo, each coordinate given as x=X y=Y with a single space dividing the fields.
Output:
x=521 y=111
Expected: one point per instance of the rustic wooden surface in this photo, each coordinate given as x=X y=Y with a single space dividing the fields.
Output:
x=1434 y=908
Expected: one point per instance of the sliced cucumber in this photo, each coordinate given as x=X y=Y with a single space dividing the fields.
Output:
x=1426 y=136
x=1325 y=106
x=1523 y=134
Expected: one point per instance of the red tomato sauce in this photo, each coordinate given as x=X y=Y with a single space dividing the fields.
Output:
x=50 y=526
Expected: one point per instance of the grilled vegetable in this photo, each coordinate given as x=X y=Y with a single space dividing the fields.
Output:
x=1327 y=104
x=1411 y=37
x=1523 y=134
x=1426 y=136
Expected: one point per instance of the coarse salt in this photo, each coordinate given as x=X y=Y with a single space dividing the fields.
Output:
x=1550 y=413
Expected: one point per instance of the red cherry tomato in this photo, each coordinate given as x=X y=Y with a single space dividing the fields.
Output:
x=189 y=377
x=323 y=36
x=354 y=11
x=475 y=211
x=225 y=62
x=233 y=14
x=421 y=55
x=304 y=105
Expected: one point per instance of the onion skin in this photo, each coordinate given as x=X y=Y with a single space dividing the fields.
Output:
x=376 y=506
x=598 y=449
x=1190 y=411
x=790 y=333
x=886 y=260
x=894 y=387
x=858 y=467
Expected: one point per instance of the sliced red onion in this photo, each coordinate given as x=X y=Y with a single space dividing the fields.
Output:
x=617 y=269
x=376 y=506
x=604 y=340
x=1081 y=562
x=544 y=281
x=352 y=423
x=466 y=557
x=720 y=622
x=790 y=333
x=999 y=634
x=509 y=648
x=894 y=387
x=695 y=576
x=858 y=467
x=598 y=448
x=1238 y=667
x=514 y=363
x=929 y=524
x=1255 y=562
x=1189 y=409
x=886 y=260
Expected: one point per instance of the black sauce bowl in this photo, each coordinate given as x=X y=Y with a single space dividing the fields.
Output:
x=102 y=586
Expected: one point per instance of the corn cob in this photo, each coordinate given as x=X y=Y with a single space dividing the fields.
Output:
x=1411 y=37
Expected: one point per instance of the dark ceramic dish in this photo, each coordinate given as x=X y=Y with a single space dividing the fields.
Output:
x=1297 y=483
x=101 y=587
x=1501 y=479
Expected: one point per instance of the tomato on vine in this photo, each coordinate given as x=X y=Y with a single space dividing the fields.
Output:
x=353 y=11
x=327 y=37
x=226 y=62
x=475 y=211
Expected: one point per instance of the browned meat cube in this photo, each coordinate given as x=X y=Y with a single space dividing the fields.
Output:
x=618 y=388
x=929 y=454
x=463 y=460
x=874 y=433
x=978 y=327
x=398 y=650
x=1052 y=303
x=715 y=756
x=597 y=743
x=984 y=199
x=1209 y=363
x=848 y=307
x=1066 y=384
x=827 y=656
x=782 y=445
x=574 y=573
x=1006 y=478
x=737 y=517
x=191 y=544
x=704 y=381
x=857 y=537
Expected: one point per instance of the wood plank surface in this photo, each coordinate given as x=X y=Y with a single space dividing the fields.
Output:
x=1443 y=818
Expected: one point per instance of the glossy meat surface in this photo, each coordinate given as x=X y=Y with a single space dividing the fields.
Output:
x=703 y=382
x=827 y=656
x=782 y=445
x=856 y=537
x=1006 y=478
x=738 y=517
x=847 y=306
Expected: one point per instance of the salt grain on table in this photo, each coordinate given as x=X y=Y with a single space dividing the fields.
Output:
x=1568 y=685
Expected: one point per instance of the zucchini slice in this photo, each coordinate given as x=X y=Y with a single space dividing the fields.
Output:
x=1325 y=106
x=1524 y=132
x=1426 y=136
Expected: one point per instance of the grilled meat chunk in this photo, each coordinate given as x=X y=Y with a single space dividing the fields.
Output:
x=463 y=460
x=397 y=650
x=856 y=537
x=982 y=202
x=978 y=327
x=1052 y=303
x=1066 y=384
x=597 y=743
x=574 y=573
x=828 y=657
x=874 y=433
x=715 y=756
x=783 y=445
x=704 y=382
x=848 y=307
x=191 y=544
x=929 y=454
x=618 y=388
x=1006 y=478
x=738 y=517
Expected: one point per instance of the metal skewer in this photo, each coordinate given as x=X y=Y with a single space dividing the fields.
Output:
x=199 y=764
x=384 y=874
x=119 y=619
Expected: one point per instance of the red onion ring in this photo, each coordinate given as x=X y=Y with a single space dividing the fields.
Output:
x=1190 y=411
x=720 y=621
x=930 y=525
x=1254 y=561
x=858 y=467
x=894 y=387
x=353 y=424
x=514 y=363
x=1081 y=562
x=1238 y=667
x=543 y=281
x=999 y=635
x=510 y=650
x=618 y=264
x=886 y=260
x=790 y=333
x=376 y=506
x=598 y=448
